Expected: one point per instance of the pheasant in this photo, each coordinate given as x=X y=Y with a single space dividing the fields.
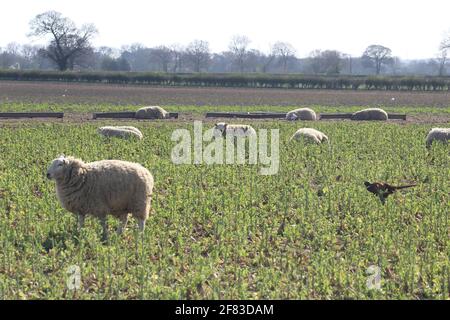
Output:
x=383 y=190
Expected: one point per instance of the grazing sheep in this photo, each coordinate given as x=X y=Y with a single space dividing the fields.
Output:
x=223 y=129
x=121 y=132
x=370 y=114
x=301 y=114
x=153 y=112
x=242 y=136
x=309 y=135
x=103 y=187
x=438 y=134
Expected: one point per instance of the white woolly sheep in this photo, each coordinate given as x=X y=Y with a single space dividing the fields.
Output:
x=223 y=129
x=103 y=187
x=153 y=112
x=301 y=114
x=121 y=132
x=438 y=134
x=309 y=135
x=370 y=114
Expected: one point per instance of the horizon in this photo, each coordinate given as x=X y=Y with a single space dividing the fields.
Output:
x=413 y=31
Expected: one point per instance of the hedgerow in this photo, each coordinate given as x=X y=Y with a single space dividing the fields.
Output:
x=291 y=81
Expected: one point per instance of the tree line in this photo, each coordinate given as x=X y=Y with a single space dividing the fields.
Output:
x=247 y=80
x=70 y=48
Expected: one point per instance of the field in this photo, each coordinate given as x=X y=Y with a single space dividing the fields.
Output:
x=311 y=231
x=54 y=93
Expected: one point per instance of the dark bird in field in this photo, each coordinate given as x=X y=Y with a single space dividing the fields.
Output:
x=383 y=190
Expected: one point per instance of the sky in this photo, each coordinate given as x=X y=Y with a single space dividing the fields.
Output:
x=413 y=29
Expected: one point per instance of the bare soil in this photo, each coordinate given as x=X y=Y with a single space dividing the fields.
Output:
x=76 y=93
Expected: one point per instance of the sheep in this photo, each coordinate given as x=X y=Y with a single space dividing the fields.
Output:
x=153 y=112
x=309 y=135
x=223 y=129
x=370 y=114
x=301 y=114
x=243 y=138
x=121 y=132
x=437 y=134
x=103 y=187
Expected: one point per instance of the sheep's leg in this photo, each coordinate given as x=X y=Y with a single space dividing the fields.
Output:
x=123 y=224
x=141 y=223
x=105 y=228
x=80 y=221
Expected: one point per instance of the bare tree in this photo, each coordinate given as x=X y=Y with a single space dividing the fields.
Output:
x=68 y=43
x=265 y=60
x=377 y=56
x=395 y=63
x=107 y=51
x=348 y=62
x=13 y=48
x=11 y=56
x=284 y=52
x=314 y=62
x=333 y=61
x=239 y=48
x=30 y=55
x=445 y=44
x=257 y=61
x=198 y=54
x=177 y=55
x=138 y=56
x=164 y=56
x=442 y=60
x=109 y=63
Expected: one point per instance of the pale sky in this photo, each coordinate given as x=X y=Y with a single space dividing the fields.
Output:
x=411 y=28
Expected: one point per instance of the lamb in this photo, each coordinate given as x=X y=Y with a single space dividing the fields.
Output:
x=301 y=114
x=153 y=112
x=121 y=132
x=309 y=135
x=370 y=114
x=437 y=134
x=223 y=129
x=103 y=187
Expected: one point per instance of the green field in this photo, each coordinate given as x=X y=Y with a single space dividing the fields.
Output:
x=89 y=108
x=227 y=232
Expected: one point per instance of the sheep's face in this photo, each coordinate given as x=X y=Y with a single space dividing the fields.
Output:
x=292 y=117
x=56 y=168
x=324 y=138
x=221 y=126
